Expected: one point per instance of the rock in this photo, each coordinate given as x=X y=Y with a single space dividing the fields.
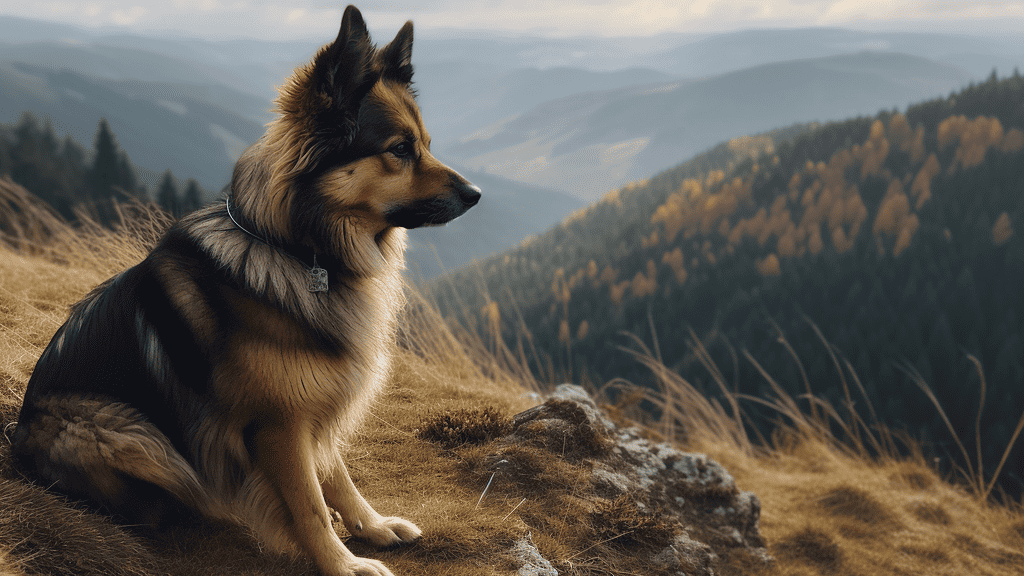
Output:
x=685 y=507
x=686 y=555
x=529 y=559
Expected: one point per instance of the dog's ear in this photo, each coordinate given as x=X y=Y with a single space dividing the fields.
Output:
x=344 y=71
x=397 y=56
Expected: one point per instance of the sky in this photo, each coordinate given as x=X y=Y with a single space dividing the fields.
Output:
x=300 y=19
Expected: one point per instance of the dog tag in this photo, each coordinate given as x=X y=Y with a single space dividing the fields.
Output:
x=317 y=278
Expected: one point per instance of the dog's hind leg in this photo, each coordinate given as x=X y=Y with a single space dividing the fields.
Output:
x=283 y=453
x=359 y=517
x=108 y=453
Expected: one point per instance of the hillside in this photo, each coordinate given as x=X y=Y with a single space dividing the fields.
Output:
x=437 y=438
x=590 y=142
x=881 y=248
x=163 y=124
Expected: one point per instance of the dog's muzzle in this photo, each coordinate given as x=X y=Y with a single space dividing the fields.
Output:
x=459 y=197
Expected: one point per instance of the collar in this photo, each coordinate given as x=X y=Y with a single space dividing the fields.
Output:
x=317 y=276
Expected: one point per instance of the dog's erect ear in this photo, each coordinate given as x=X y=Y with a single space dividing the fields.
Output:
x=397 y=56
x=344 y=71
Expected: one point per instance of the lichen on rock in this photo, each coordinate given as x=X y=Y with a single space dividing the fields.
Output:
x=618 y=497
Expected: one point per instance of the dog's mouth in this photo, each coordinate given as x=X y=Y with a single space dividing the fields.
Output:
x=437 y=210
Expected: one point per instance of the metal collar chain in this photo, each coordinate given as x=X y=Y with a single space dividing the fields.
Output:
x=317 y=276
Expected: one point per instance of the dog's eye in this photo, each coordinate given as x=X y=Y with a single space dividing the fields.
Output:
x=403 y=150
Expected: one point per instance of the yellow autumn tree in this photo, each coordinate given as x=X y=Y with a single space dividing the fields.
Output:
x=583 y=330
x=894 y=219
x=617 y=291
x=900 y=132
x=644 y=285
x=874 y=151
x=1002 y=230
x=674 y=260
x=769 y=266
x=975 y=137
x=1013 y=141
x=921 y=188
x=563 y=332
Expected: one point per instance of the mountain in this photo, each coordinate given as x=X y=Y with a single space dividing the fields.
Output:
x=592 y=142
x=456 y=101
x=508 y=212
x=891 y=242
x=745 y=48
x=161 y=125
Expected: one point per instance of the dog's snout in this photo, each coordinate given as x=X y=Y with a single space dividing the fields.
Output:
x=469 y=194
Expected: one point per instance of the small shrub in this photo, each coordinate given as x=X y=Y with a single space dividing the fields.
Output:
x=454 y=428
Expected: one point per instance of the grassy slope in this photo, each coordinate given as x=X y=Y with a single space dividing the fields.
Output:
x=826 y=509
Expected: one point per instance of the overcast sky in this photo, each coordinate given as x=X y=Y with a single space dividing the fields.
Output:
x=294 y=19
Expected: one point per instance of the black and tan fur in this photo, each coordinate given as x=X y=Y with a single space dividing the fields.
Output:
x=208 y=376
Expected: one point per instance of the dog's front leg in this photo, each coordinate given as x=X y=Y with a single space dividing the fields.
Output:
x=361 y=520
x=283 y=453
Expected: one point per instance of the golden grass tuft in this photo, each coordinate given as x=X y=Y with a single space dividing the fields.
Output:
x=623 y=522
x=829 y=505
x=453 y=428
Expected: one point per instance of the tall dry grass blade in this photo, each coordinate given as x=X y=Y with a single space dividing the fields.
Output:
x=686 y=405
x=839 y=370
x=670 y=412
x=977 y=421
x=716 y=374
x=986 y=489
x=875 y=443
x=916 y=377
x=787 y=406
x=1006 y=454
x=654 y=335
x=781 y=339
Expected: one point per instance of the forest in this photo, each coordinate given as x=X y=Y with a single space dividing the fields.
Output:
x=76 y=181
x=854 y=260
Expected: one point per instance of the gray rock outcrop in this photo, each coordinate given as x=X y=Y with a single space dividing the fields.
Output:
x=682 y=510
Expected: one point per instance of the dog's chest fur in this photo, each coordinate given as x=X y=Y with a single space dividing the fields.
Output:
x=286 y=349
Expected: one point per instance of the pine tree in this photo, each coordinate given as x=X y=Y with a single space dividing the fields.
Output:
x=193 y=198
x=27 y=154
x=167 y=194
x=129 y=184
x=48 y=142
x=105 y=175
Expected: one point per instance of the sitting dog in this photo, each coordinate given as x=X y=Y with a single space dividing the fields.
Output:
x=221 y=373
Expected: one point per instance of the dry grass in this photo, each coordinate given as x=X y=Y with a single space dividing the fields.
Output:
x=850 y=505
x=425 y=452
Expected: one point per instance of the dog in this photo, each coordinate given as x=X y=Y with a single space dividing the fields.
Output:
x=220 y=374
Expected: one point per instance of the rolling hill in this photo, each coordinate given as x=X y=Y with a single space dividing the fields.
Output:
x=589 y=143
x=194 y=130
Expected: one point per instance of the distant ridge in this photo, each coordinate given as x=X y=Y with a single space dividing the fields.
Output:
x=591 y=142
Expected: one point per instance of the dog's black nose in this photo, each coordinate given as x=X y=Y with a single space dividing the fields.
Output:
x=469 y=194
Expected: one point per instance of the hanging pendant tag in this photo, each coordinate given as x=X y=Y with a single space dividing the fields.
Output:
x=317 y=278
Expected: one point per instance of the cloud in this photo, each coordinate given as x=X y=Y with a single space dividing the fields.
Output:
x=279 y=19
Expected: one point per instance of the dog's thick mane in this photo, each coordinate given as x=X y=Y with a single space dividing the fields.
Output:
x=318 y=111
x=364 y=272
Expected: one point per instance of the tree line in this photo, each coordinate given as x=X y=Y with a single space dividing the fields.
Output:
x=74 y=180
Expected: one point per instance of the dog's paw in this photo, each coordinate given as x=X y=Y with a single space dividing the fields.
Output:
x=386 y=531
x=364 y=567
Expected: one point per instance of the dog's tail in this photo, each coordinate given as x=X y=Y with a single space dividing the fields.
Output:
x=107 y=452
